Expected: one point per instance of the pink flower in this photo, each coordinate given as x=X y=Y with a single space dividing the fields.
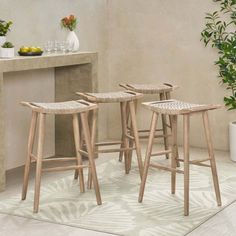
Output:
x=69 y=22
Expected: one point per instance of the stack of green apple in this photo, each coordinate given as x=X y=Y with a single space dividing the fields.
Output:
x=25 y=49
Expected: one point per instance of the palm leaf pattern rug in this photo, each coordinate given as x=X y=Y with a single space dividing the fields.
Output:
x=161 y=213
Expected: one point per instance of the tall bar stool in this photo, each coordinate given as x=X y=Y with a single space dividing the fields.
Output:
x=126 y=99
x=175 y=108
x=164 y=92
x=73 y=108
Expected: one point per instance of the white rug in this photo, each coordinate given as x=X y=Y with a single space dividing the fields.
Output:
x=161 y=213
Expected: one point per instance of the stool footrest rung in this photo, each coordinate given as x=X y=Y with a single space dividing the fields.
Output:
x=60 y=159
x=83 y=153
x=54 y=158
x=161 y=153
x=108 y=143
x=197 y=162
x=156 y=136
x=115 y=150
x=161 y=167
x=147 y=130
x=129 y=136
x=64 y=168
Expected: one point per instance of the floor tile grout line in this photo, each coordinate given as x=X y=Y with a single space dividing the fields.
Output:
x=211 y=216
x=55 y=223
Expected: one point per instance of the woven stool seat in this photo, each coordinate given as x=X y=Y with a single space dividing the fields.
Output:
x=109 y=97
x=150 y=88
x=175 y=107
x=69 y=107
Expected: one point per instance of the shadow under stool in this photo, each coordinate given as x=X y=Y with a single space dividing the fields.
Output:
x=126 y=100
x=163 y=91
x=76 y=109
x=175 y=108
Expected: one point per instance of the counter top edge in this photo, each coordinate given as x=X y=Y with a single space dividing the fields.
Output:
x=20 y=63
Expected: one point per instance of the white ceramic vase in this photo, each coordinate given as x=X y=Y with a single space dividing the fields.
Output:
x=73 y=41
x=7 y=52
x=232 y=140
x=2 y=40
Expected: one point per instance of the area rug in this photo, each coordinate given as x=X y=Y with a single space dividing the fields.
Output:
x=161 y=213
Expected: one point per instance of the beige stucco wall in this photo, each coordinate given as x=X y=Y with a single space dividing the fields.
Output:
x=159 y=40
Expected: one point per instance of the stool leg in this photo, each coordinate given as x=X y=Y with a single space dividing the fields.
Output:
x=148 y=155
x=131 y=145
x=30 y=150
x=121 y=152
x=124 y=132
x=168 y=97
x=211 y=156
x=88 y=143
x=122 y=138
x=129 y=131
x=186 y=164
x=136 y=137
x=131 y=142
x=78 y=172
x=76 y=175
x=164 y=127
x=94 y=128
x=41 y=135
x=174 y=152
x=93 y=140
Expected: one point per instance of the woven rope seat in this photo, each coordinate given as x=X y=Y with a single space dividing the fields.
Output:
x=150 y=88
x=109 y=97
x=68 y=107
x=175 y=107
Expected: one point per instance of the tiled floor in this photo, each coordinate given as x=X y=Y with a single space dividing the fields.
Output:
x=222 y=223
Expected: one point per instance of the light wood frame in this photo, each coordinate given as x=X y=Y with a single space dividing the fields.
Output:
x=186 y=160
x=78 y=159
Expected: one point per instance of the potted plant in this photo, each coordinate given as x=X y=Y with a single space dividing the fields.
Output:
x=7 y=50
x=220 y=32
x=4 y=29
x=70 y=23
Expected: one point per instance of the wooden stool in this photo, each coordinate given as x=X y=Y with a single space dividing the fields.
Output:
x=126 y=100
x=61 y=108
x=164 y=92
x=175 y=108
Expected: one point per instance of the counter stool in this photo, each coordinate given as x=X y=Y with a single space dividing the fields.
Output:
x=164 y=92
x=173 y=108
x=126 y=100
x=73 y=108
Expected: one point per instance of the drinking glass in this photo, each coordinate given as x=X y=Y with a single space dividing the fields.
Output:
x=63 y=47
x=56 y=46
x=48 y=47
